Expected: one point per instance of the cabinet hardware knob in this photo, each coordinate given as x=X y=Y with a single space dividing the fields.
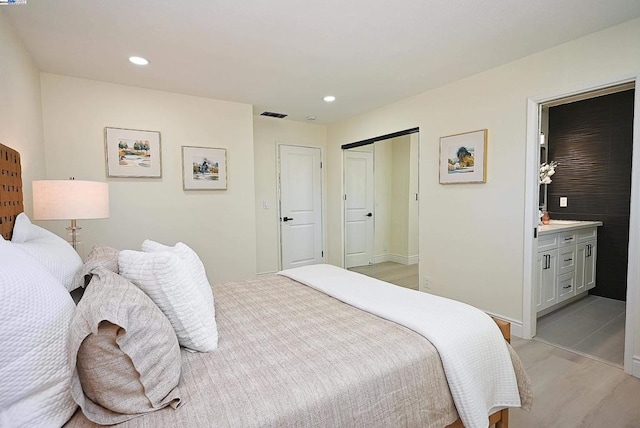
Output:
x=568 y=260
x=568 y=286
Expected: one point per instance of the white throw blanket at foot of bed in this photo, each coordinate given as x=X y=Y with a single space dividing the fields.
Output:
x=474 y=354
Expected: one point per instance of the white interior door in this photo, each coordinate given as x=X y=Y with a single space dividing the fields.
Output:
x=359 y=203
x=300 y=206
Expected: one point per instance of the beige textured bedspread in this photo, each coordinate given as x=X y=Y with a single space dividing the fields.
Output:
x=290 y=356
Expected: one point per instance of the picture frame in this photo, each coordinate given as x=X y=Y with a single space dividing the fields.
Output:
x=463 y=158
x=204 y=168
x=132 y=153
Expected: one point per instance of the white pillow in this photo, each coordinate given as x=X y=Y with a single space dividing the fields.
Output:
x=166 y=279
x=54 y=253
x=35 y=314
x=192 y=261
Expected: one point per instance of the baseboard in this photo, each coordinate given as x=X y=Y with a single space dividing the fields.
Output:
x=267 y=273
x=381 y=258
x=396 y=258
x=516 y=326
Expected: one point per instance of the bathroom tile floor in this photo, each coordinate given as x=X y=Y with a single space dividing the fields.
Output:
x=593 y=326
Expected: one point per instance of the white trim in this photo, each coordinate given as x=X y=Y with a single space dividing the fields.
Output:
x=396 y=258
x=261 y=274
x=633 y=272
x=381 y=258
x=635 y=370
x=516 y=326
x=530 y=220
x=531 y=192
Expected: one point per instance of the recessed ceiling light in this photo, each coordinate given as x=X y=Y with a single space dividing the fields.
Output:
x=329 y=98
x=138 y=60
x=311 y=118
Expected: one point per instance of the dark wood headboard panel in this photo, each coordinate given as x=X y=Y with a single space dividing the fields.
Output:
x=10 y=189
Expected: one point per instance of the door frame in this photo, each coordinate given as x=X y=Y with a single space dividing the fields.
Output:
x=323 y=201
x=532 y=160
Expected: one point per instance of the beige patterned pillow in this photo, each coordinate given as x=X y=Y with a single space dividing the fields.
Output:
x=125 y=350
x=99 y=256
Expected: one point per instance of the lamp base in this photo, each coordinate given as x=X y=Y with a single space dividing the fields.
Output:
x=74 y=232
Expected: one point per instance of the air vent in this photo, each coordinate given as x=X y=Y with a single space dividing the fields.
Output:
x=272 y=114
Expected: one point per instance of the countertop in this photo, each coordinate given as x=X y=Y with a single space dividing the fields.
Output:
x=565 y=225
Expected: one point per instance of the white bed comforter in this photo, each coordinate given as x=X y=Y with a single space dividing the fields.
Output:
x=474 y=354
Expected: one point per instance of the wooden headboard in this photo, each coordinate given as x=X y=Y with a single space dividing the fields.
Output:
x=10 y=189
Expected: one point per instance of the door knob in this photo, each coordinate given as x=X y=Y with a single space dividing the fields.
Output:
x=287 y=218
x=369 y=215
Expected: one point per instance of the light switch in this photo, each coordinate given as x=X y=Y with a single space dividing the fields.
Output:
x=265 y=205
x=563 y=202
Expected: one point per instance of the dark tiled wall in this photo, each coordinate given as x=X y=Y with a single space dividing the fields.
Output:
x=592 y=142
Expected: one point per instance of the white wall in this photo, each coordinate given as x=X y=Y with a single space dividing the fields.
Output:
x=471 y=236
x=268 y=132
x=219 y=225
x=400 y=196
x=20 y=107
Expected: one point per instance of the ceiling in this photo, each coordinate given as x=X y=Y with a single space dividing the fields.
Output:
x=286 y=55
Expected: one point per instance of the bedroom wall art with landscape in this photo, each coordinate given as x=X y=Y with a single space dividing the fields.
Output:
x=220 y=226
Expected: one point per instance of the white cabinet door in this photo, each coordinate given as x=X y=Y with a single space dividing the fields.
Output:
x=547 y=279
x=586 y=265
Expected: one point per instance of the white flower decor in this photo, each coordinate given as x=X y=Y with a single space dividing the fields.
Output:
x=546 y=171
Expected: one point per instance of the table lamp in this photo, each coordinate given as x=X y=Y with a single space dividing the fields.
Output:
x=70 y=200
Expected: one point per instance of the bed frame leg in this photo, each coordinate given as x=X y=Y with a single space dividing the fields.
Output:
x=504 y=419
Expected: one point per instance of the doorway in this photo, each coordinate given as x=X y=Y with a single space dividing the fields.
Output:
x=300 y=194
x=591 y=310
x=381 y=208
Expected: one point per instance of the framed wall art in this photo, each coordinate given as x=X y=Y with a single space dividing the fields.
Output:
x=463 y=158
x=204 y=168
x=133 y=153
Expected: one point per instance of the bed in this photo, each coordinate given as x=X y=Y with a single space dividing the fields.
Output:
x=291 y=355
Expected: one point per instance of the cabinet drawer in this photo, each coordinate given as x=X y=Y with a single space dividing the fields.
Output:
x=566 y=260
x=547 y=242
x=566 y=286
x=567 y=238
x=587 y=234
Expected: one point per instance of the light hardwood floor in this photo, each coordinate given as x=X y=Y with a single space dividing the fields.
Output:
x=395 y=273
x=570 y=390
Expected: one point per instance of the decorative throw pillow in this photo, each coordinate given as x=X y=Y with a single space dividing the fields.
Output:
x=35 y=313
x=54 y=253
x=192 y=261
x=125 y=351
x=99 y=256
x=166 y=279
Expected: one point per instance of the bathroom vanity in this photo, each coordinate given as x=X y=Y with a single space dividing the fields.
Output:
x=566 y=262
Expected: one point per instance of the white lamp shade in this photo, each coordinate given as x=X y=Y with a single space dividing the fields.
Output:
x=70 y=200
